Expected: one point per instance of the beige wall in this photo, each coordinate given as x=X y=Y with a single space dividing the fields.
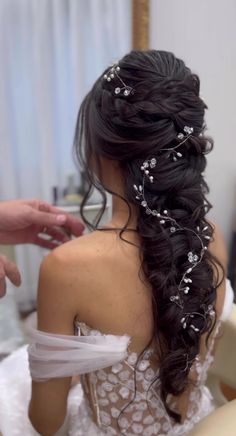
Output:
x=203 y=33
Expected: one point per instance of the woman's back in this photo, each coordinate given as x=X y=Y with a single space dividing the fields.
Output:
x=114 y=280
x=109 y=288
x=111 y=297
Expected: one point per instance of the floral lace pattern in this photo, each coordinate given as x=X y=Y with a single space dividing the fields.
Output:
x=120 y=399
x=103 y=400
x=94 y=408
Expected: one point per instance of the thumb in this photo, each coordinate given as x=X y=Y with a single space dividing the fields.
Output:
x=47 y=219
x=8 y=270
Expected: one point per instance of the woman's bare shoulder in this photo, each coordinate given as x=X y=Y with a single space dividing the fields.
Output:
x=86 y=269
x=79 y=265
x=95 y=245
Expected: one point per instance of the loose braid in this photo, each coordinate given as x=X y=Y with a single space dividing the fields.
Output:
x=132 y=130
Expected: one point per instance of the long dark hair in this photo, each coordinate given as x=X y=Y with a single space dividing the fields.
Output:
x=130 y=130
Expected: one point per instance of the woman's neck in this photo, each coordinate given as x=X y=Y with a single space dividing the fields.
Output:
x=120 y=214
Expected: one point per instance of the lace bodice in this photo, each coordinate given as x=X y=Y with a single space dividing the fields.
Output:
x=118 y=394
x=122 y=400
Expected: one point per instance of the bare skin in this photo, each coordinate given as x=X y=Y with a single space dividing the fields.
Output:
x=97 y=278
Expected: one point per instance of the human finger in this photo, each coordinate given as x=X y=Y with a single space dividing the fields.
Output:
x=2 y=280
x=71 y=222
x=74 y=225
x=47 y=219
x=58 y=233
x=8 y=269
x=49 y=244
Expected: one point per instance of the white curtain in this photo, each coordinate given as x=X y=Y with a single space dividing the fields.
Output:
x=51 y=51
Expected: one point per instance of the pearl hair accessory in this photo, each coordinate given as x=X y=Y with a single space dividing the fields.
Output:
x=172 y=226
x=183 y=138
x=123 y=89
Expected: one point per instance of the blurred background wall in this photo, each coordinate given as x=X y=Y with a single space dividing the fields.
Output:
x=203 y=33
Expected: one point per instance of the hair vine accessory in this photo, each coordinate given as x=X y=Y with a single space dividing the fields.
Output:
x=183 y=137
x=172 y=226
x=113 y=73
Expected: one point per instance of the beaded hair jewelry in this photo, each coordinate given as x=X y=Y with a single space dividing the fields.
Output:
x=165 y=220
x=114 y=73
x=172 y=226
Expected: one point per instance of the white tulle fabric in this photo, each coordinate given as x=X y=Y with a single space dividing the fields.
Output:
x=228 y=302
x=107 y=368
x=53 y=356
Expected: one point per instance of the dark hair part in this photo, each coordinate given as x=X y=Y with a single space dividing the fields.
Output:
x=131 y=130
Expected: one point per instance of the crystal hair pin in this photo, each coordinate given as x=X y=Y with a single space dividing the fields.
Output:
x=114 y=73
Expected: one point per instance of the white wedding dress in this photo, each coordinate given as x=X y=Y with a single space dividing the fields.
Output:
x=112 y=399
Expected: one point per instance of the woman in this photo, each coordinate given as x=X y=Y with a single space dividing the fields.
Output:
x=135 y=306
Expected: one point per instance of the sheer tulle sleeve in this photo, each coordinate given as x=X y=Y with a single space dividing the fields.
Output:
x=228 y=303
x=55 y=356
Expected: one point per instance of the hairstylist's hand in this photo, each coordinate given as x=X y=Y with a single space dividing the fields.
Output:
x=36 y=222
x=8 y=270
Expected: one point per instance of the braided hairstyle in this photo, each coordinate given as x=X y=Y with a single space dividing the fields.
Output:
x=131 y=130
